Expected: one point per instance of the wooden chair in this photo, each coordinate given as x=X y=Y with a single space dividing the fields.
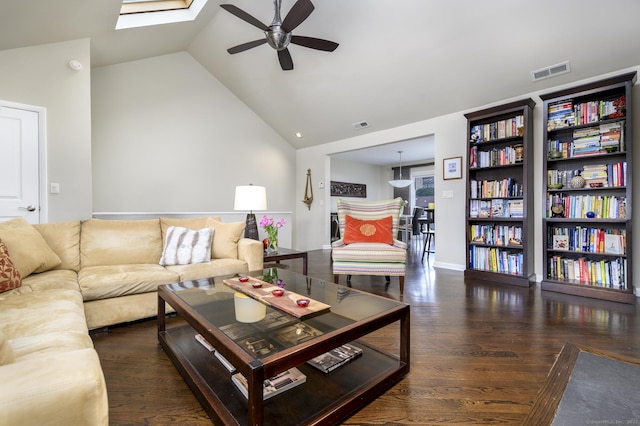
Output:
x=369 y=258
x=429 y=232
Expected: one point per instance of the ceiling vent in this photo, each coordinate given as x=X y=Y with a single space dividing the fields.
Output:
x=550 y=71
x=360 y=125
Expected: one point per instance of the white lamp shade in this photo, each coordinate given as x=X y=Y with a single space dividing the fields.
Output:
x=250 y=197
x=400 y=183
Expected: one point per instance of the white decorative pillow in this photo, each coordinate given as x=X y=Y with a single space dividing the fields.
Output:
x=183 y=246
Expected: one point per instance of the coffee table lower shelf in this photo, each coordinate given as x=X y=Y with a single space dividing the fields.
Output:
x=324 y=399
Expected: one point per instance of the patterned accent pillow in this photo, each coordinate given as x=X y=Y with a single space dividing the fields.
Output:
x=368 y=231
x=10 y=277
x=183 y=246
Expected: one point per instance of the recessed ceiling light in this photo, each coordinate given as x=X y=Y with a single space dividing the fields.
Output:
x=298 y=135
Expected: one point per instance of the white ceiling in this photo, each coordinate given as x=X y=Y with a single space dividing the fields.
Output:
x=398 y=62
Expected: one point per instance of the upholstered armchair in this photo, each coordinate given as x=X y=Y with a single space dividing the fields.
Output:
x=368 y=243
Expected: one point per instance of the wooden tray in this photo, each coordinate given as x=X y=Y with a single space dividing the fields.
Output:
x=286 y=302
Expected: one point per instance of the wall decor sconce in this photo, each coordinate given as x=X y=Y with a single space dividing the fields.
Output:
x=308 y=191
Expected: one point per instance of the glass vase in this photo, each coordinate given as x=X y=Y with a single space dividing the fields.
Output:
x=272 y=248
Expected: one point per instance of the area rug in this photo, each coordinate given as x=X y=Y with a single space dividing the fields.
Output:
x=589 y=387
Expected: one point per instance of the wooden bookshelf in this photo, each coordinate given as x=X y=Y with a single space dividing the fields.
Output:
x=499 y=204
x=588 y=132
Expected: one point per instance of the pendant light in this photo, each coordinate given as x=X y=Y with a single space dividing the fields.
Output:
x=400 y=183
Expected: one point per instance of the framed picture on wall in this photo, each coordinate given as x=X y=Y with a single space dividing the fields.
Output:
x=452 y=168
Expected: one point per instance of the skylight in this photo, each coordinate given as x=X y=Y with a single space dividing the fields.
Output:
x=142 y=6
x=143 y=13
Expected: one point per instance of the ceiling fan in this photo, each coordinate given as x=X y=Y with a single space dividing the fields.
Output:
x=278 y=33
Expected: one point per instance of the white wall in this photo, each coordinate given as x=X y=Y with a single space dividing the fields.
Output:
x=40 y=76
x=367 y=174
x=169 y=137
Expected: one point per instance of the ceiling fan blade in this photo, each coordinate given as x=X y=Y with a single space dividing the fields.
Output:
x=246 y=46
x=298 y=13
x=314 y=43
x=244 y=16
x=285 y=60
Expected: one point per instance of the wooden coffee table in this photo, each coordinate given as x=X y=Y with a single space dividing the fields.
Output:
x=286 y=254
x=208 y=307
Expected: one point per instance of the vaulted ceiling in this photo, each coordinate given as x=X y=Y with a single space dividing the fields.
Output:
x=398 y=62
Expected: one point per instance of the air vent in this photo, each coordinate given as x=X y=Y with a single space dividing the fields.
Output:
x=550 y=71
x=360 y=125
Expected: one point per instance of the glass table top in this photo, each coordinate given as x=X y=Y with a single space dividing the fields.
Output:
x=263 y=330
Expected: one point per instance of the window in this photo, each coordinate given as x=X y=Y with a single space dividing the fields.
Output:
x=424 y=187
x=137 y=13
x=141 y=6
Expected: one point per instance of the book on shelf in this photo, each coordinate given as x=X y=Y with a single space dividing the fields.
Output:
x=484 y=209
x=499 y=208
x=204 y=342
x=590 y=239
x=335 y=358
x=474 y=208
x=561 y=242
x=496 y=260
x=218 y=355
x=273 y=386
x=596 y=273
x=516 y=208
x=613 y=244
x=494 y=234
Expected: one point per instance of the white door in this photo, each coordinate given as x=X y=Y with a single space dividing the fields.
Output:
x=19 y=165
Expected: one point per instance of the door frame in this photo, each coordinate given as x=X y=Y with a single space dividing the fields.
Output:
x=43 y=212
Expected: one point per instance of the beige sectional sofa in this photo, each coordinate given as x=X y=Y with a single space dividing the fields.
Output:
x=78 y=276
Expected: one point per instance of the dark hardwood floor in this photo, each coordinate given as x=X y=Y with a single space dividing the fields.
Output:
x=479 y=352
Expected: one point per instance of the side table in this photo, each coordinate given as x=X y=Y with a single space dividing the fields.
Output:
x=286 y=254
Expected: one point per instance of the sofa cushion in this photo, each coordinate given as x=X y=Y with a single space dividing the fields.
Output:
x=225 y=238
x=183 y=246
x=214 y=268
x=194 y=223
x=64 y=240
x=103 y=282
x=56 y=279
x=120 y=242
x=42 y=312
x=367 y=231
x=6 y=352
x=65 y=388
x=29 y=250
x=31 y=347
x=369 y=253
x=9 y=276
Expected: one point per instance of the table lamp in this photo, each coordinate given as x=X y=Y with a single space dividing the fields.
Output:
x=251 y=197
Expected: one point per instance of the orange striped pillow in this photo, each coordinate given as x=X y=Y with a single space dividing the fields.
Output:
x=368 y=231
x=9 y=275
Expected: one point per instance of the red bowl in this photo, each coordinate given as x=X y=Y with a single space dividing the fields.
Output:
x=256 y=284
x=278 y=292
x=303 y=303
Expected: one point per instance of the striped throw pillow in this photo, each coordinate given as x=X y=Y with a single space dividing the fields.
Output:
x=183 y=246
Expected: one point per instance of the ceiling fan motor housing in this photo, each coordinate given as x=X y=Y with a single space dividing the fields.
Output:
x=277 y=37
